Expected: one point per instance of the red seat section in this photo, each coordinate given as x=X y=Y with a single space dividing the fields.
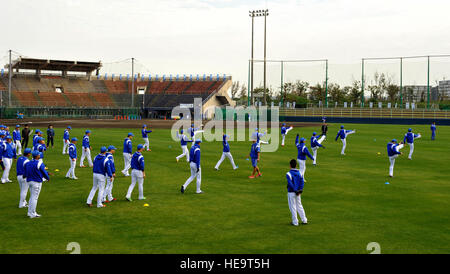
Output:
x=26 y=98
x=116 y=86
x=80 y=99
x=199 y=87
x=158 y=87
x=52 y=99
x=103 y=99
x=177 y=87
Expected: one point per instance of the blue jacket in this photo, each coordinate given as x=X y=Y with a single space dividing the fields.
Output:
x=183 y=139
x=254 y=150
x=86 y=142
x=20 y=165
x=41 y=148
x=342 y=134
x=392 y=149
x=226 y=146
x=50 y=132
x=16 y=135
x=111 y=159
x=8 y=150
x=144 y=132
x=302 y=150
x=192 y=131
x=72 y=151
x=433 y=128
x=295 y=180
x=35 y=171
x=127 y=146
x=137 y=161
x=35 y=137
x=194 y=155
x=66 y=135
x=314 y=142
x=409 y=138
x=102 y=165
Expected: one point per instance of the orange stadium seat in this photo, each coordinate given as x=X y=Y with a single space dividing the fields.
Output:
x=52 y=99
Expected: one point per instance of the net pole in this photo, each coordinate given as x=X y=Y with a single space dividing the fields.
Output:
x=326 y=83
x=362 y=82
x=428 y=82
x=281 y=90
x=248 y=86
x=9 y=80
x=401 y=82
x=132 y=82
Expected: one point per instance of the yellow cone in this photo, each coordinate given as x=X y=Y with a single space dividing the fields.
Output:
x=56 y=170
x=145 y=204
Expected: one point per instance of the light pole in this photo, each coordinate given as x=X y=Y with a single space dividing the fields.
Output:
x=253 y=14
x=132 y=82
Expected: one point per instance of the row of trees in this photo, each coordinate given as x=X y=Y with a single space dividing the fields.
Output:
x=381 y=89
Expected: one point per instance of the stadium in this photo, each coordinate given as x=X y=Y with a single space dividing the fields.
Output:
x=356 y=203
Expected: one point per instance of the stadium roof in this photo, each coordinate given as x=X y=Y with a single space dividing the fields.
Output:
x=56 y=65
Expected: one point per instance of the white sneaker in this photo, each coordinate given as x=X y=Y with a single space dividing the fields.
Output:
x=75 y=178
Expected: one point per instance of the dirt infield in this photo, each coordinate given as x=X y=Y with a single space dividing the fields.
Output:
x=110 y=123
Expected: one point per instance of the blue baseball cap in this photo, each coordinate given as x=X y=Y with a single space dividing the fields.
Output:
x=8 y=137
x=283 y=124
x=74 y=139
x=69 y=127
x=140 y=146
x=2 y=126
x=181 y=131
x=130 y=134
x=394 y=140
x=342 y=126
x=314 y=133
x=144 y=125
x=302 y=139
x=17 y=126
x=198 y=141
x=102 y=149
x=192 y=125
x=37 y=131
x=256 y=129
x=35 y=153
x=88 y=131
x=27 y=151
x=2 y=132
x=112 y=147
x=409 y=129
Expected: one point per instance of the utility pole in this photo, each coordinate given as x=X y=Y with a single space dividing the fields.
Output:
x=265 y=13
x=132 y=82
x=252 y=15
x=10 y=79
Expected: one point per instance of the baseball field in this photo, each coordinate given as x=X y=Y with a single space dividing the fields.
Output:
x=349 y=200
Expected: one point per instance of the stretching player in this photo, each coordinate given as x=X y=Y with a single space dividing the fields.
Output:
x=183 y=141
x=107 y=195
x=193 y=131
x=73 y=159
x=137 y=173
x=315 y=144
x=433 y=131
x=41 y=147
x=284 y=132
x=8 y=152
x=302 y=153
x=86 y=150
x=196 y=172
x=102 y=168
x=23 y=184
x=393 y=150
x=225 y=153
x=35 y=174
x=36 y=136
x=254 y=156
x=295 y=185
x=16 y=140
x=257 y=136
x=409 y=138
x=66 y=139
x=127 y=151
x=145 y=137
x=343 y=135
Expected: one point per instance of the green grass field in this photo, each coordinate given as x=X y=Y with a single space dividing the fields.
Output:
x=346 y=200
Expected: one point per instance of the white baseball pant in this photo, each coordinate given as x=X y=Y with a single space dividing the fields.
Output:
x=98 y=184
x=108 y=189
x=302 y=167
x=296 y=207
x=136 y=176
x=127 y=163
x=194 y=174
x=392 y=163
x=35 y=190
x=23 y=184
x=65 y=146
x=86 y=153
x=71 y=172
x=146 y=143
x=229 y=156
x=18 y=147
x=185 y=152
x=411 y=150
x=7 y=162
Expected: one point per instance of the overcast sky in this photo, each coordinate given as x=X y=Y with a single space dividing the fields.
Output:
x=206 y=36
